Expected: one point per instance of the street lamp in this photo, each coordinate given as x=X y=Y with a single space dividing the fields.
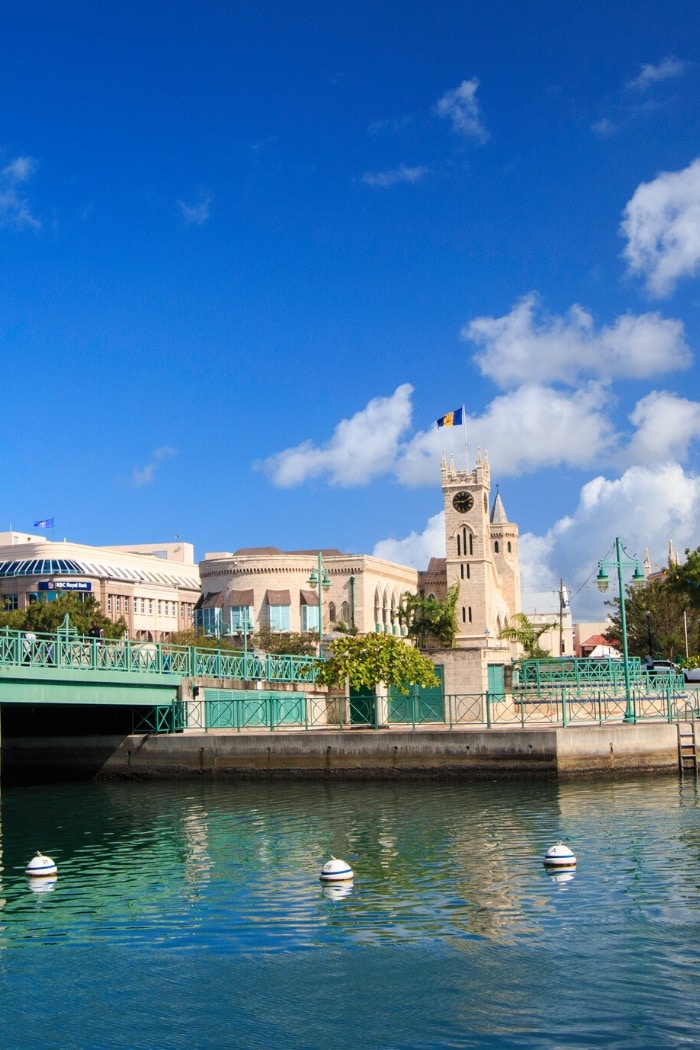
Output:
x=649 y=639
x=603 y=582
x=320 y=579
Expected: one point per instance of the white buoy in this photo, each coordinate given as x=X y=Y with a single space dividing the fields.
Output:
x=559 y=856
x=41 y=866
x=335 y=870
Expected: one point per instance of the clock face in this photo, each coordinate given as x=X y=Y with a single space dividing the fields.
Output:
x=463 y=501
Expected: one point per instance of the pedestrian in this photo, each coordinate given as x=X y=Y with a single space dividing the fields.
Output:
x=96 y=631
x=28 y=643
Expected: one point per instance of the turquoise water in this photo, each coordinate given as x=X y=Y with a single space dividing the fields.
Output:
x=191 y=915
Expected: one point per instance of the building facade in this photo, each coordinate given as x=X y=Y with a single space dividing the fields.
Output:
x=154 y=587
x=264 y=587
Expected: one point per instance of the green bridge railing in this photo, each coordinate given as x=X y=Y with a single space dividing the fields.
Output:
x=68 y=650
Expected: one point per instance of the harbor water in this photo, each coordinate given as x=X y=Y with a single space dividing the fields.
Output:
x=191 y=915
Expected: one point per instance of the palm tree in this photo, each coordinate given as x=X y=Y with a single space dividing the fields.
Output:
x=527 y=634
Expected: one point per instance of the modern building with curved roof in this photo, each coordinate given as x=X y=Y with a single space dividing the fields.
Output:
x=154 y=587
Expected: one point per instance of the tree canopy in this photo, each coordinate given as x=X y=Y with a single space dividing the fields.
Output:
x=527 y=634
x=430 y=621
x=684 y=579
x=46 y=617
x=657 y=615
x=367 y=659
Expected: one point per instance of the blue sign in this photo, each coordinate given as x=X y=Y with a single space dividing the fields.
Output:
x=65 y=585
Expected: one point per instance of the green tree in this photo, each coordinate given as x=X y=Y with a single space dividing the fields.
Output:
x=195 y=637
x=46 y=617
x=685 y=579
x=527 y=634
x=430 y=621
x=657 y=615
x=367 y=659
x=285 y=643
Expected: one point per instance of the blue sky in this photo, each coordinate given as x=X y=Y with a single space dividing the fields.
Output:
x=250 y=251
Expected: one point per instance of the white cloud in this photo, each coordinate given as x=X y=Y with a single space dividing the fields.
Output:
x=604 y=128
x=145 y=475
x=199 y=213
x=14 y=208
x=20 y=169
x=522 y=347
x=461 y=108
x=416 y=549
x=360 y=449
x=390 y=178
x=523 y=431
x=662 y=226
x=665 y=425
x=668 y=69
x=647 y=507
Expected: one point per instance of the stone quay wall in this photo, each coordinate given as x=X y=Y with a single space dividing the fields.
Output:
x=609 y=750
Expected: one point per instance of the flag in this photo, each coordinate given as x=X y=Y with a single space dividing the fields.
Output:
x=452 y=419
x=45 y=523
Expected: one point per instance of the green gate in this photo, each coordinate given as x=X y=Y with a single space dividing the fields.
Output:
x=496 y=682
x=421 y=703
x=363 y=707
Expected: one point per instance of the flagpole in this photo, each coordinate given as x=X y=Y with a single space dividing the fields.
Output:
x=466 y=448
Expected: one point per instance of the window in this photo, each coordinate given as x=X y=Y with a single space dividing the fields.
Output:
x=495 y=547
x=241 y=617
x=309 y=617
x=10 y=602
x=471 y=544
x=143 y=605
x=150 y=607
x=109 y=603
x=160 y=607
x=509 y=547
x=461 y=571
x=279 y=617
x=126 y=604
x=118 y=603
x=331 y=612
x=345 y=613
x=470 y=614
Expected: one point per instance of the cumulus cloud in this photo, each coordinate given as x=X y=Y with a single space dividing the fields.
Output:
x=387 y=179
x=360 y=449
x=417 y=548
x=461 y=108
x=145 y=475
x=662 y=226
x=199 y=213
x=522 y=431
x=15 y=209
x=665 y=426
x=528 y=345
x=668 y=69
x=647 y=507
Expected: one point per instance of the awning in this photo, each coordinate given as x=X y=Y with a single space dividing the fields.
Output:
x=308 y=597
x=213 y=600
x=241 y=599
x=278 y=598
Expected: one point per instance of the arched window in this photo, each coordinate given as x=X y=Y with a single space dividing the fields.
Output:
x=464 y=615
x=459 y=546
x=509 y=547
x=495 y=547
x=470 y=614
x=471 y=543
x=345 y=613
x=331 y=612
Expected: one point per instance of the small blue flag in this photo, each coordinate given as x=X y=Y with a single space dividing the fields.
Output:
x=452 y=419
x=45 y=523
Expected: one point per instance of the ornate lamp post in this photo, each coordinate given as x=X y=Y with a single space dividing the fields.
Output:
x=320 y=579
x=603 y=582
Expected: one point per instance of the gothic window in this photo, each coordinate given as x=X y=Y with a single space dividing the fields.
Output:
x=345 y=613
x=495 y=547
x=470 y=614
x=464 y=615
x=471 y=544
x=509 y=547
x=331 y=612
x=461 y=571
x=459 y=548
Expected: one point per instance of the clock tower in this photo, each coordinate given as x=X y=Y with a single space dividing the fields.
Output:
x=481 y=553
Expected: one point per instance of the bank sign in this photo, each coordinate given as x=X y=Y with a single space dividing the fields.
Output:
x=65 y=585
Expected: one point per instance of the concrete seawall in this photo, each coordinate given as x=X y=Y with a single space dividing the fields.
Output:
x=469 y=754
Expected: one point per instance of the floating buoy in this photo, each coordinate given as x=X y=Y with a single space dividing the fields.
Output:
x=559 y=856
x=41 y=865
x=335 y=870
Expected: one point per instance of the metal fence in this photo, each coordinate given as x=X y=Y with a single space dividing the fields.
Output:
x=67 y=649
x=270 y=711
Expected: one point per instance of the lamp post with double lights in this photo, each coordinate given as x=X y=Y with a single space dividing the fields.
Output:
x=320 y=579
x=603 y=582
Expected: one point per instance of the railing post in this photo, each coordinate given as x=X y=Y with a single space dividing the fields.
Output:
x=488 y=710
x=564 y=710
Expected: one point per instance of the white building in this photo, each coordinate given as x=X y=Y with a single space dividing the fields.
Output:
x=154 y=587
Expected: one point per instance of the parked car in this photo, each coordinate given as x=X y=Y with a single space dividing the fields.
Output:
x=691 y=674
x=661 y=667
